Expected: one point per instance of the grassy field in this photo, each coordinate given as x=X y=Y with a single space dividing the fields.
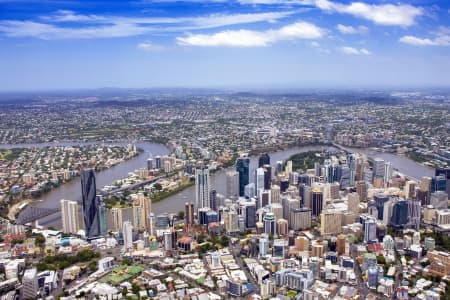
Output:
x=121 y=274
x=10 y=154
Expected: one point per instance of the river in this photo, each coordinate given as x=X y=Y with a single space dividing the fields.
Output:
x=175 y=203
x=72 y=189
x=402 y=163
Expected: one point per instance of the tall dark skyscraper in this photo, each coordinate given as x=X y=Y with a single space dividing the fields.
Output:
x=267 y=177
x=264 y=159
x=242 y=167
x=213 y=199
x=445 y=173
x=400 y=214
x=317 y=202
x=90 y=205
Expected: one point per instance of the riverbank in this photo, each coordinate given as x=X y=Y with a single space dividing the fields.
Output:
x=16 y=208
x=160 y=196
x=305 y=160
x=63 y=177
x=174 y=201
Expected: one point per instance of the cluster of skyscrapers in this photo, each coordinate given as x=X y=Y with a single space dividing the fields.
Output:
x=280 y=199
x=98 y=220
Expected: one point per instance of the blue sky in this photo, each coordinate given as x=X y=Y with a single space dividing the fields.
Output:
x=59 y=44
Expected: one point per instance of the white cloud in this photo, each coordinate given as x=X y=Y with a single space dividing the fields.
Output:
x=94 y=26
x=252 y=38
x=354 y=51
x=208 y=21
x=352 y=30
x=71 y=16
x=218 y=20
x=441 y=40
x=48 y=31
x=318 y=47
x=148 y=46
x=382 y=14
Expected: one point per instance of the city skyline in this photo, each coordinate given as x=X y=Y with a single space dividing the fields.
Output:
x=219 y=44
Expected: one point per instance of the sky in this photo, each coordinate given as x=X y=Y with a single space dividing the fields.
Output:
x=70 y=44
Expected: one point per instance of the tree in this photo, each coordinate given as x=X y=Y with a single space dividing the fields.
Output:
x=224 y=240
x=40 y=240
x=181 y=215
x=200 y=238
x=124 y=291
x=126 y=261
x=135 y=288
x=41 y=267
x=63 y=264
x=381 y=260
x=157 y=186
x=92 y=266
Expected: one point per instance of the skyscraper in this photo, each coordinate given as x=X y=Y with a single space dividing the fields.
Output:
x=149 y=164
x=158 y=163
x=330 y=222
x=213 y=199
x=30 y=286
x=275 y=194
x=316 y=202
x=269 y=223
x=102 y=215
x=142 y=207
x=410 y=189
x=259 y=179
x=353 y=202
x=361 y=189
x=264 y=159
x=242 y=167
x=90 y=205
x=127 y=235
x=232 y=184
x=400 y=214
x=116 y=219
x=379 y=171
x=267 y=177
x=189 y=213
x=345 y=176
x=445 y=172
x=250 y=215
x=69 y=215
x=202 y=187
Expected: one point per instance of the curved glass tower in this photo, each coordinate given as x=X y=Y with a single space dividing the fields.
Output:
x=90 y=205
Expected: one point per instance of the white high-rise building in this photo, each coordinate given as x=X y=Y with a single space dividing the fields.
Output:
x=232 y=184
x=388 y=170
x=259 y=179
x=202 y=187
x=249 y=190
x=127 y=229
x=370 y=230
x=69 y=216
x=30 y=286
x=387 y=211
x=288 y=169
